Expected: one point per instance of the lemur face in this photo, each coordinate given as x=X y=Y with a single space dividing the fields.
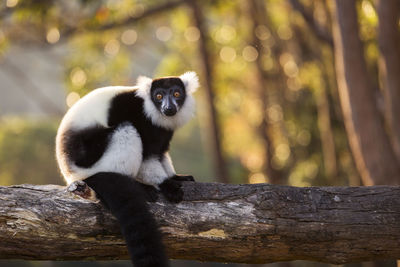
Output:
x=168 y=95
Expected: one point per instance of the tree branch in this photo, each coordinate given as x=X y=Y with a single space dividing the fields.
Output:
x=168 y=5
x=147 y=13
x=216 y=222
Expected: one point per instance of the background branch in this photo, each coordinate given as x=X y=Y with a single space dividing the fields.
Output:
x=149 y=12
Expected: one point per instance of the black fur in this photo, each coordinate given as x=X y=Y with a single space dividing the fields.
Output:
x=150 y=192
x=129 y=107
x=172 y=190
x=183 y=178
x=126 y=200
x=85 y=147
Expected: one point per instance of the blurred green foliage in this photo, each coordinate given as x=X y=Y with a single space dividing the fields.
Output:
x=27 y=152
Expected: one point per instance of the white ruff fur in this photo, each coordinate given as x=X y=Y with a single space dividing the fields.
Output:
x=167 y=165
x=152 y=172
x=92 y=108
x=184 y=114
x=191 y=81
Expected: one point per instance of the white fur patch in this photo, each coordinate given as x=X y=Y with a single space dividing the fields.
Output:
x=92 y=109
x=144 y=85
x=152 y=172
x=123 y=155
x=184 y=114
x=191 y=81
x=168 y=166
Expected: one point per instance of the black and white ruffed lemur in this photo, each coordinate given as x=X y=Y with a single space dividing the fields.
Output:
x=116 y=140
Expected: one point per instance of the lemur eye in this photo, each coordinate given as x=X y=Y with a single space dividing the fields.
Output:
x=159 y=96
x=177 y=94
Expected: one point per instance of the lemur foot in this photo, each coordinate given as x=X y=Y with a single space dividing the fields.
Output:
x=183 y=178
x=172 y=190
x=150 y=192
x=81 y=189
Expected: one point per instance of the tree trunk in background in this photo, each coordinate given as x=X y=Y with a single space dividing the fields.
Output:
x=389 y=45
x=255 y=13
x=374 y=157
x=326 y=132
x=219 y=161
x=320 y=94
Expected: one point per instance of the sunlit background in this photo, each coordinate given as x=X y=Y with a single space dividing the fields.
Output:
x=268 y=110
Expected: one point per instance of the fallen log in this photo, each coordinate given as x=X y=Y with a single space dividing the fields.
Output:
x=257 y=223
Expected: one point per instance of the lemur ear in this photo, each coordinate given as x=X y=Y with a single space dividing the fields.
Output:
x=144 y=84
x=190 y=80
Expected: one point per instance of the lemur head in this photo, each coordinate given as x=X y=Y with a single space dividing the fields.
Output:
x=168 y=95
x=168 y=101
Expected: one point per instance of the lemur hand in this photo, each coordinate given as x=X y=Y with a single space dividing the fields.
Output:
x=172 y=190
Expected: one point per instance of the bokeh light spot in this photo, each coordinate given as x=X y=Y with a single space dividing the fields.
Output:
x=53 y=35
x=227 y=54
x=290 y=68
x=164 y=33
x=112 y=47
x=129 y=37
x=72 y=98
x=249 y=53
x=284 y=32
x=225 y=34
x=262 y=32
x=282 y=152
x=78 y=77
x=192 y=34
x=11 y=3
x=257 y=178
x=303 y=138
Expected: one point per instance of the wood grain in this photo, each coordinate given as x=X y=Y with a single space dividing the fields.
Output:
x=216 y=222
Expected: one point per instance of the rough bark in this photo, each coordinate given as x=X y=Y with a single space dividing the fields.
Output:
x=389 y=45
x=373 y=154
x=216 y=222
x=221 y=170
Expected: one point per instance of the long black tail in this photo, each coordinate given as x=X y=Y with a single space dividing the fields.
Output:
x=125 y=198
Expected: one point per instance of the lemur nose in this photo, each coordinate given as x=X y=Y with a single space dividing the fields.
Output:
x=170 y=111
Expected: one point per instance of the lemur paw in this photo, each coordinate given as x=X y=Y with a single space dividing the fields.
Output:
x=81 y=189
x=172 y=190
x=150 y=192
x=183 y=178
